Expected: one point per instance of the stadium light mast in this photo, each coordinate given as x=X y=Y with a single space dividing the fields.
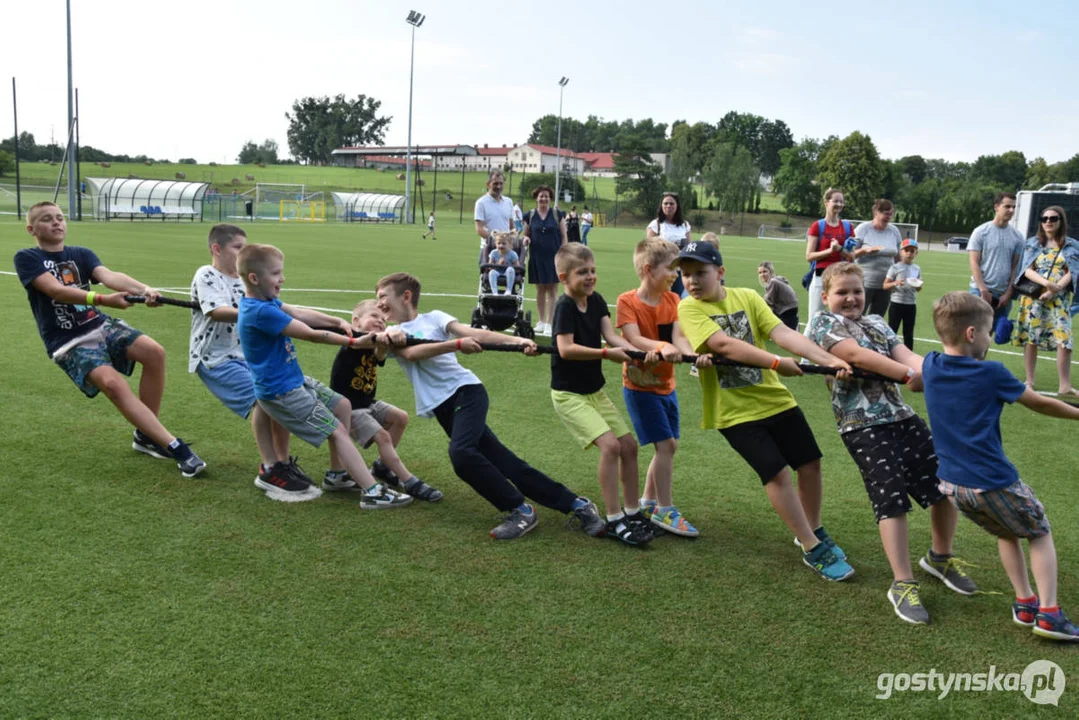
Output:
x=558 y=147
x=414 y=19
x=71 y=189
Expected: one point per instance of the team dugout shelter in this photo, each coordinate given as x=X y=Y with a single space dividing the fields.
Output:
x=138 y=199
x=369 y=207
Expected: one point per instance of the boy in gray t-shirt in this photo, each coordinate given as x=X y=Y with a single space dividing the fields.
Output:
x=904 y=281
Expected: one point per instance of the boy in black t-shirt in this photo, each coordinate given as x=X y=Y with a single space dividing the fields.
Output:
x=581 y=323
x=355 y=375
x=95 y=350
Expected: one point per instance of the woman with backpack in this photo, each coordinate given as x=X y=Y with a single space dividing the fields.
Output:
x=826 y=245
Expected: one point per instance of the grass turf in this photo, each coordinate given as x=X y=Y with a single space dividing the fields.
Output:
x=131 y=592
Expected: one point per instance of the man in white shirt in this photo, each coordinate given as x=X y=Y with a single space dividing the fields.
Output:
x=995 y=249
x=494 y=212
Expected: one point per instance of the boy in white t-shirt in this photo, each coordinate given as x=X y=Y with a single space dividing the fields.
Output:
x=214 y=354
x=455 y=397
x=430 y=227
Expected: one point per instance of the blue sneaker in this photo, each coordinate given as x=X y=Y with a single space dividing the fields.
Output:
x=1056 y=626
x=673 y=522
x=824 y=561
x=825 y=538
x=1025 y=613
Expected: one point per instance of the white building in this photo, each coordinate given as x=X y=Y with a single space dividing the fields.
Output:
x=486 y=159
x=533 y=158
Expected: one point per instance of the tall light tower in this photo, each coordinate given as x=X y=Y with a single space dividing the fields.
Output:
x=414 y=19
x=558 y=148
x=71 y=189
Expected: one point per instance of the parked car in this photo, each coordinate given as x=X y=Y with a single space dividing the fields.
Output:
x=957 y=243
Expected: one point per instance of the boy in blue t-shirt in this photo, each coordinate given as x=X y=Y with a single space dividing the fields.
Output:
x=964 y=395
x=94 y=349
x=309 y=409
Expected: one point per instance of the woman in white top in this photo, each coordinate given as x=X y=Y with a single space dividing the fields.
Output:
x=671 y=226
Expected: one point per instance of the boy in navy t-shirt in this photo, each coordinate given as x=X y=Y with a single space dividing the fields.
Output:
x=94 y=349
x=964 y=395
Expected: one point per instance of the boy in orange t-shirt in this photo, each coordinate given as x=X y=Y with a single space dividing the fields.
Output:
x=648 y=318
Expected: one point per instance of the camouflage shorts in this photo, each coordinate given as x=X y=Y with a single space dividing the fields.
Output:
x=107 y=345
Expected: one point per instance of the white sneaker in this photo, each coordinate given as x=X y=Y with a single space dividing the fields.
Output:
x=543 y=329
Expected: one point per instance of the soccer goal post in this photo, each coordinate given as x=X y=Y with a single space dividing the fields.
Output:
x=302 y=211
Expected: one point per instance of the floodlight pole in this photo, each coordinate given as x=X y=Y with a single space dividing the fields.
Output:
x=70 y=123
x=558 y=147
x=414 y=19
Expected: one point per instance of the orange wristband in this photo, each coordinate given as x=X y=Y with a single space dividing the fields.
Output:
x=775 y=363
x=458 y=343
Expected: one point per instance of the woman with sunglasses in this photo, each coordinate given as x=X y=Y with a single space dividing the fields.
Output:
x=671 y=226
x=1050 y=259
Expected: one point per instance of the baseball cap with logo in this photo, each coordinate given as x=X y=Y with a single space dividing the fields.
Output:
x=908 y=242
x=703 y=252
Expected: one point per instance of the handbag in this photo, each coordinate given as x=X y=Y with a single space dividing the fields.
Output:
x=807 y=279
x=1026 y=286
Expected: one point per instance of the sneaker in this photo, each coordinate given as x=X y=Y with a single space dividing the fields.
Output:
x=673 y=522
x=908 y=606
x=825 y=538
x=383 y=473
x=587 y=518
x=628 y=532
x=1055 y=626
x=648 y=509
x=189 y=463
x=644 y=528
x=296 y=472
x=422 y=491
x=823 y=560
x=694 y=371
x=279 y=483
x=950 y=572
x=1024 y=613
x=340 y=482
x=144 y=444
x=382 y=498
x=516 y=524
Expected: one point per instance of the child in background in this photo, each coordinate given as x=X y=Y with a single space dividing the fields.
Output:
x=504 y=256
x=904 y=279
x=648 y=319
x=309 y=409
x=95 y=350
x=964 y=394
x=754 y=411
x=889 y=443
x=355 y=376
x=430 y=227
x=711 y=237
x=581 y=323
x=778 y=294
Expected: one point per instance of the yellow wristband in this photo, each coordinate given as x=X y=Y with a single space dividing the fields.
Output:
x=91 y=298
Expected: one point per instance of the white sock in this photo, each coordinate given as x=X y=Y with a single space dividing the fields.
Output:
x=631 y=511
x=616 y=516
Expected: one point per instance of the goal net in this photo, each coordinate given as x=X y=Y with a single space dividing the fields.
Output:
x=798 y=232
x=302 y=211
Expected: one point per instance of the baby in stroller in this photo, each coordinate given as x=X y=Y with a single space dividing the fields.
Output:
x=502 y=265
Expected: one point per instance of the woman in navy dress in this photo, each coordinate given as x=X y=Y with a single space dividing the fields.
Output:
x=545 y=230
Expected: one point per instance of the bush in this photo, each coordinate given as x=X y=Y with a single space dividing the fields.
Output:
x=188 y=161
x=697 y=221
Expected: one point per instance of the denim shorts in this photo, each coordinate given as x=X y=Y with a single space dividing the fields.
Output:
x=232 y=384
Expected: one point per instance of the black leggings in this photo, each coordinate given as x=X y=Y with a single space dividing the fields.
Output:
x=900 y=313
x=876 y=301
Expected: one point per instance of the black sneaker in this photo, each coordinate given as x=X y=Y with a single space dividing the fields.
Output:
x=189 y=463
x=644 y=526
x=144 y=444
x=279 y=483
x=627 y=532
x=383 y=473
x=296 y=472
x=422 y=491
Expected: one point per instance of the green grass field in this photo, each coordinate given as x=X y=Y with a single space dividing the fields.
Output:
x=131 y=592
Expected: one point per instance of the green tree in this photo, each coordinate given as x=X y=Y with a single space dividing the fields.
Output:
x=774 y=137
x=731 y=176
x=796 y=178
x=854 y=165
x=914 y=167
x=690 y=145
x=318 y=126
x=532 y=181
x=637 y=176
x=1008 y=170
x=1038 y=174
x=7 y=162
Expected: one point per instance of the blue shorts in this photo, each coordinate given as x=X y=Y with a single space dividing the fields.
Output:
x=232 y=384
x=105 y=345
x=654 y=417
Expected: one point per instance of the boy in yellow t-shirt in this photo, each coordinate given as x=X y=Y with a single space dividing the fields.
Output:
x=750 y=406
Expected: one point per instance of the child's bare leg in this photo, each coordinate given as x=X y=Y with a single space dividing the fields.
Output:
x=609 y=452
x=631 y=474
x=1043 y=563
x=943 y=519
x=396 y=422
x=1015 y=564
x=649 y=493
x=810 y=491
x=148 y=353
x=661 y=472
x=893 y=535
x=263 y=427
x=341 y=447
x=389 y=456
x=281 y=438
x=114 y=385
x=785 y=501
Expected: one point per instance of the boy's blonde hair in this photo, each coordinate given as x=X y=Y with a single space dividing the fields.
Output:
x=399 y=282
x=955 y=312
x=31 y=214
x=364 y=308
x=255 y=258
x=710 y=237
x=571 y=256
x=655 y=251
x=843 y=268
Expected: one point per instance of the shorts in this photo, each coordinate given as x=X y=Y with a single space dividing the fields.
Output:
x=896 y=460
x=654 y=416
x=771 y=444
x=105 y=345
x=307 y=411
x=366 y=422
x=1011 y=512
x=232 y=384
x=588 y=416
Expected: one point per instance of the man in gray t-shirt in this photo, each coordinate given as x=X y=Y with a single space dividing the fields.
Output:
x=995 y=249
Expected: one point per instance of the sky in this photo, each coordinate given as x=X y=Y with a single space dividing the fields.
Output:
x=952 y=79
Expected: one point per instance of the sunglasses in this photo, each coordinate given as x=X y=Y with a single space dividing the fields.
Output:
x=1050 y=218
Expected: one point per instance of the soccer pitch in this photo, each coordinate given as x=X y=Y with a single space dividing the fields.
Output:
x=132 y=592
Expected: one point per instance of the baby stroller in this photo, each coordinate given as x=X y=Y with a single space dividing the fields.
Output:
x=495 y=311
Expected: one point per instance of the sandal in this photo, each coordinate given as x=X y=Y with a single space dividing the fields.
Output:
x=422 y=491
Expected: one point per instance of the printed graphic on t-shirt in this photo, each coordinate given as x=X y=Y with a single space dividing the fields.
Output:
x=737 y=325
x=365 y=374
x=68 y=316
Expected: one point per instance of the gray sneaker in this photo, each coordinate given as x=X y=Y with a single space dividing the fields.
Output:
x=903 y=596
x=516 y=524
x=587 y=518
x=340 y=482
x=950 y=572
x=382 y=498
